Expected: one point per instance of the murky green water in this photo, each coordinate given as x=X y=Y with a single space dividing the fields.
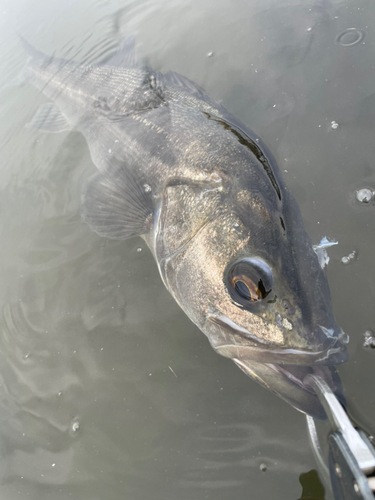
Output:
x=107 y=390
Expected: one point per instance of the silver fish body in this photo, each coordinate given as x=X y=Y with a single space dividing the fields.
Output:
x=205 y=193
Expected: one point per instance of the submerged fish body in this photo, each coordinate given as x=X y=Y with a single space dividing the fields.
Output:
x=205 y=193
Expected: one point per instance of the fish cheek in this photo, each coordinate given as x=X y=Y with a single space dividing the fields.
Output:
x=294 y=330
x=194 y=275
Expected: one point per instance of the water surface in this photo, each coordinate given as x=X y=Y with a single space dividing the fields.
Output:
x=107 y=390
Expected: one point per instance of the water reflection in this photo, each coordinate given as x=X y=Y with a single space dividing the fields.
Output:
x=312 y=487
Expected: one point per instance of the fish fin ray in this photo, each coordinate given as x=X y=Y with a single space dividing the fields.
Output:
x=124 y=56
x=32 y=51
x=184 y=83
x=116 y=210
x=49 y=118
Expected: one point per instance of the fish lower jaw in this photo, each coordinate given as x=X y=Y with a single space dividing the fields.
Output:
x=287 y=381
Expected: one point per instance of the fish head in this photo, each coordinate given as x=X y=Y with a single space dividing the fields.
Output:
x=250 y=279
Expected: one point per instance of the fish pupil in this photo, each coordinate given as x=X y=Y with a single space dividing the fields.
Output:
x=243 y=290
x=250 y=280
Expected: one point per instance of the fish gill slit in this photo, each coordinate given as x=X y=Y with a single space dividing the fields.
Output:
x=246 y=141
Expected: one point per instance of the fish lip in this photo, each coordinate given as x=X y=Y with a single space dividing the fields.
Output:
x=265 y=352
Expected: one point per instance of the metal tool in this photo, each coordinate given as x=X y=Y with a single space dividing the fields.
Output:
x=351 y=456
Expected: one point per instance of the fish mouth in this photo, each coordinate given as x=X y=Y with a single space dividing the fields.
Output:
x=282 y=370
x=235 y=342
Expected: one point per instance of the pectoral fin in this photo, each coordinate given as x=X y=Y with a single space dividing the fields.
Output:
x=117 y=210
x=49 y=118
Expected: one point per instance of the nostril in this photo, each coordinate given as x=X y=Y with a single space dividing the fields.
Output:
x=290 y=310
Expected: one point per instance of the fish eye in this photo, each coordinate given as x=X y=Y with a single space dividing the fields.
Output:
x=250 y=280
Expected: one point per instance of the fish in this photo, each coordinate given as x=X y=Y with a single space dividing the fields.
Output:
x=174 y=167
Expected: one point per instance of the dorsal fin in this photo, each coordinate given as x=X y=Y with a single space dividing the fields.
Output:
x=184 y=83
x=32 y=51
x=124 y=56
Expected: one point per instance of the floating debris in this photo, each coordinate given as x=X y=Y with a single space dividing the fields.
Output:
x=210 y=54
x=364 y=195
x=369 y=339
x=139 y=249
x=321 y=251
x=147 y=188
x=350 y=37
x=334 y=125
x=345 y=260
x=263 y=467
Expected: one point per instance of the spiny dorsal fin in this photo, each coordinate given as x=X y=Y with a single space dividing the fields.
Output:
x=32 y=51
x=177 y=80
x=117 y=210
x=124 y=55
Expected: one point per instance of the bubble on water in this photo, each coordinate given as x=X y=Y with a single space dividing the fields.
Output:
x=109 y=151
x=364 y=195
x=350 y=37
x=139 y=249
x=147 y=188
x=75 y=425
x=263 y=467
x=210 y=54
x=334 y=125
x=348 y=258
x=309 y=29
x=369 y=341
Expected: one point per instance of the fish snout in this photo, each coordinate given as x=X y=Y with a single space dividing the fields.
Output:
x=288 y=307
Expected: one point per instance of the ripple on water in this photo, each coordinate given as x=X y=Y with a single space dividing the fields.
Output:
x=350 y=37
